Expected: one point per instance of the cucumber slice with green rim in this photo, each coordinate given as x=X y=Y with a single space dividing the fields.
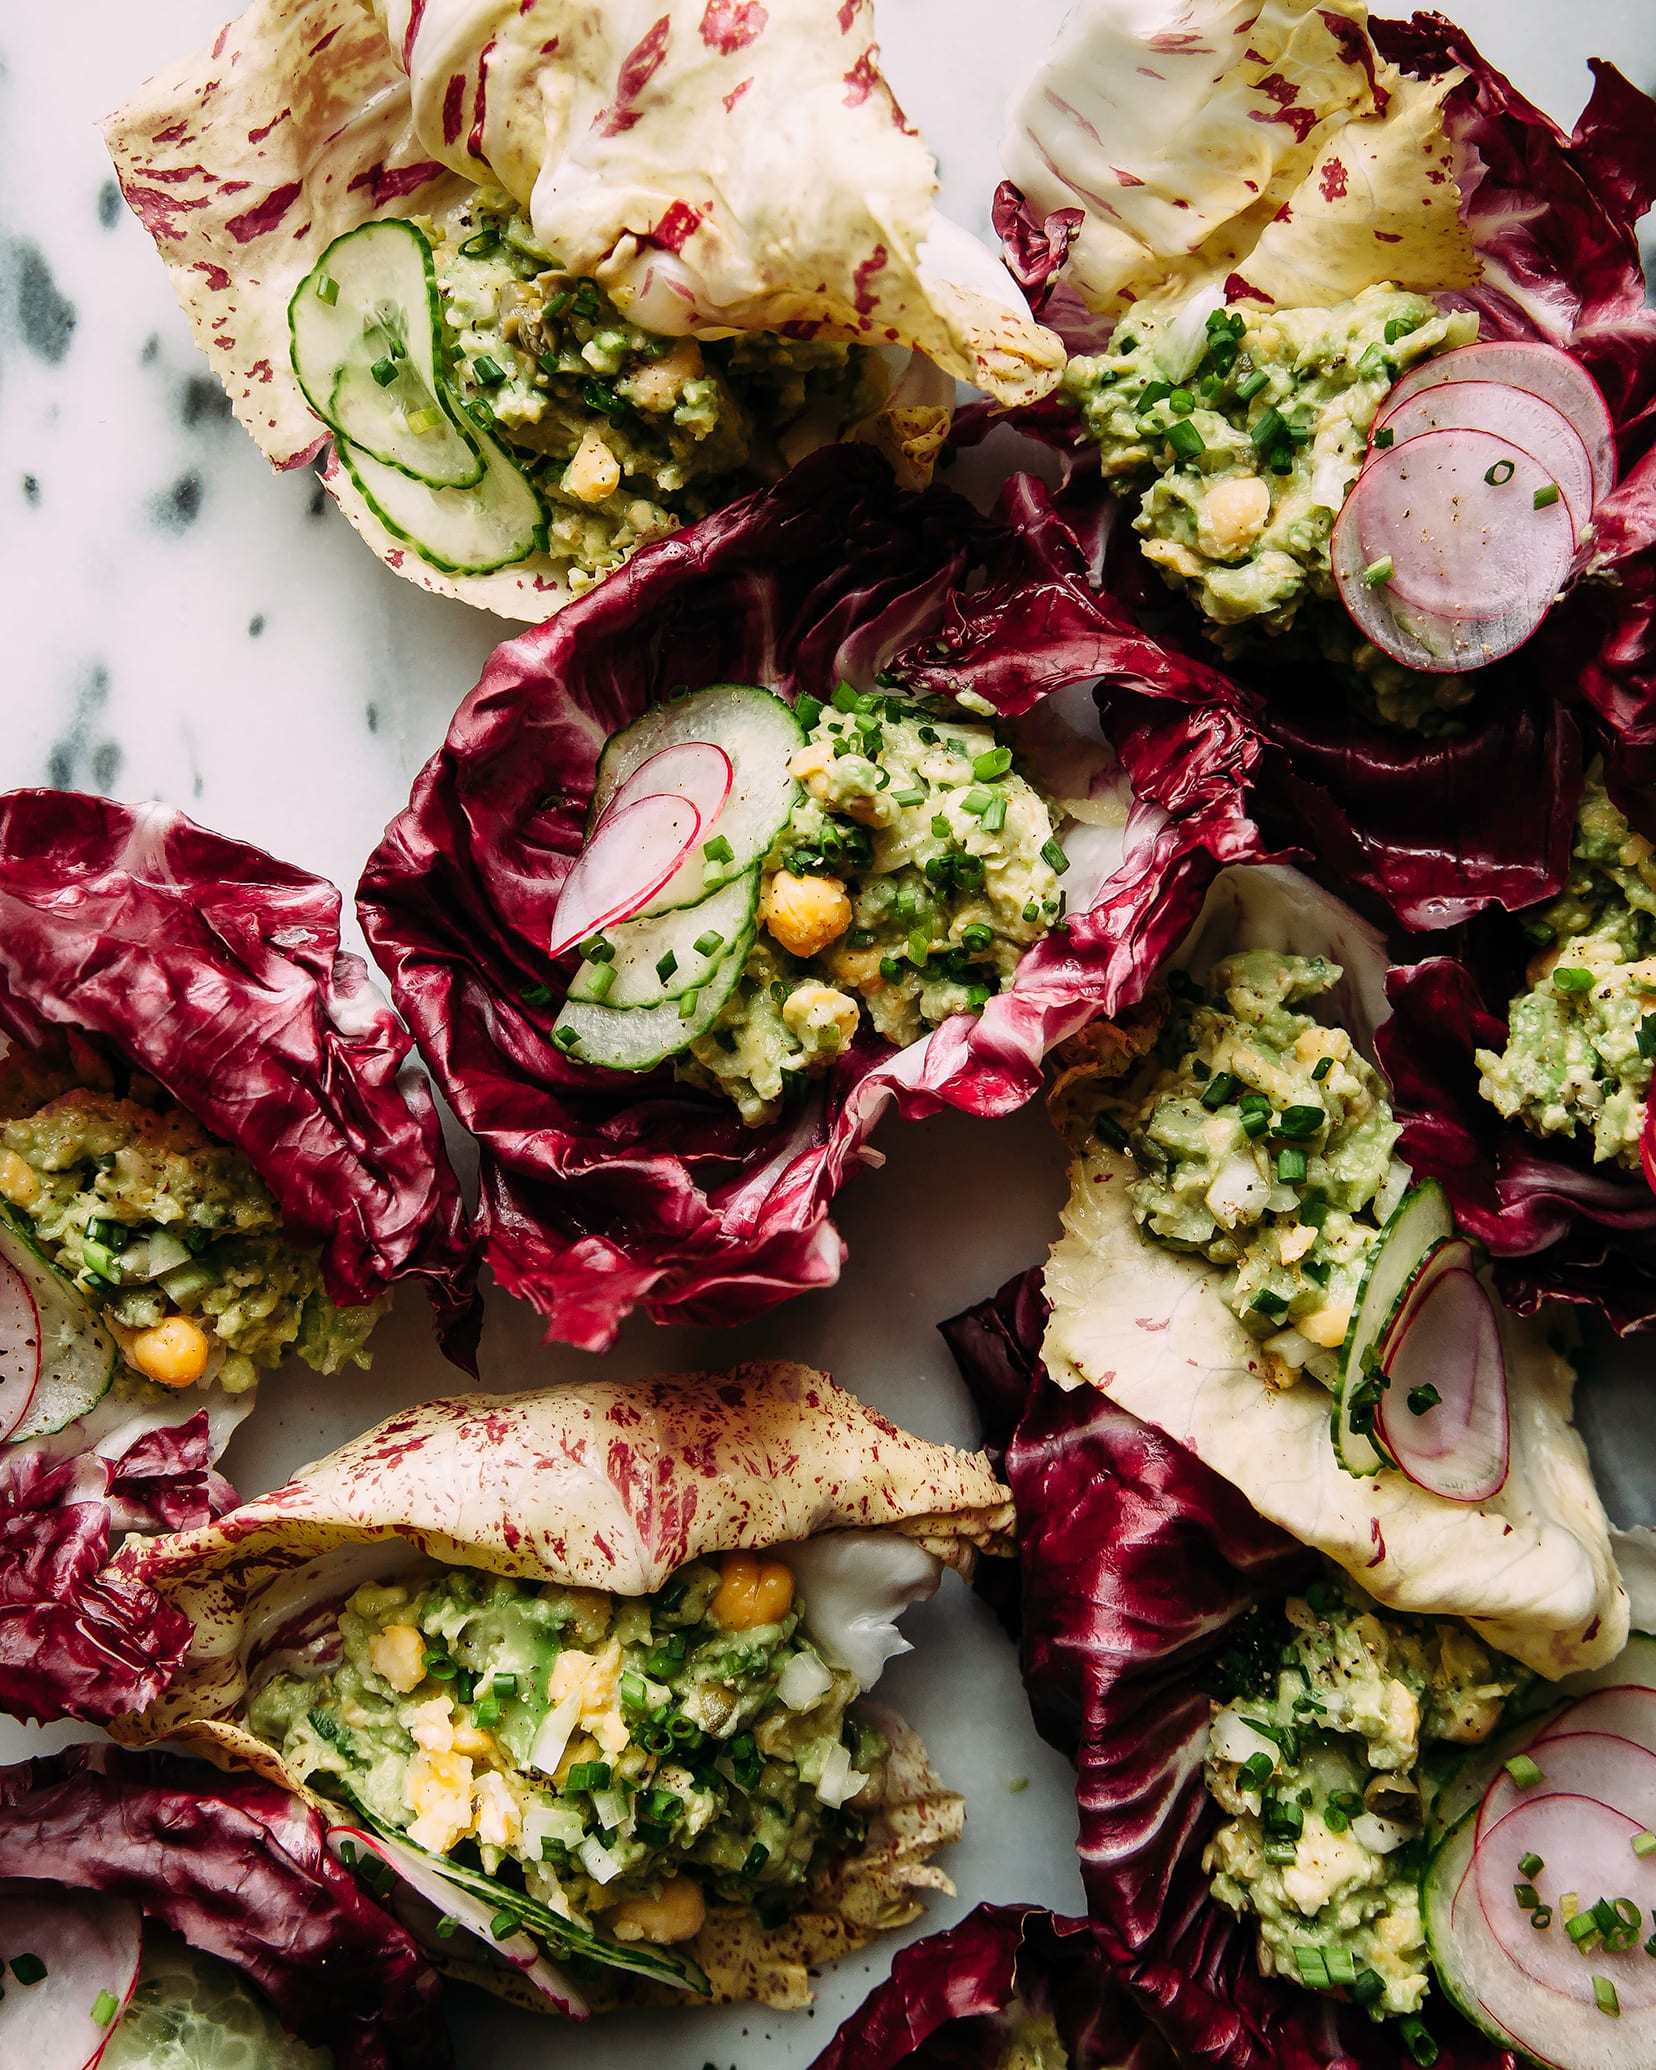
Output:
x=637 y=1038
x=759 y=733
x=1421 y=1220
x=371 y=302
x=463 y=531
x=634 y=978
x=77 y=1354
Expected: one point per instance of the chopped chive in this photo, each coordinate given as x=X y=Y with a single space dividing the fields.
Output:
x=1423 y=1398
x=440 y=1668
x=1541 y=1918
x=1583 y=1927
x=890 y=969
x=384 y=371
x=489 y=371
x=1109 y=1130
x=602 y=982
x=487 y=1711
x=666 y=965
x=1366 y=1987
x=1645 y=1036
x=1185 y=439
x=1527 y=1895
x=503 y=1925
x=566 y=1039
x=596 y=950
x=1399 y=327
x=993 y=763
x=1644 y=1843
x=1031 y=913
x=104 y=2008
x=1258 y=1768
x=807 y=710
x=1270 y=431
x=502 y=1685
x=1313 y=1967
x=1604 y=1997
x=1547 y=493
x=589 y=1775
x=1383 y=437
x=1319 y=1270
x=718 y=850
x=1412 y=2032
x=1270 y=1305
x=1220 y=1088
x=1540 y=932
x=1054 y=857
x=327 y=289
x=1501 y=473
x=447 y=1927
x=977 y=998
x=1342 y=1966
x=1573 y=979
x=1532 y=1864
x=1373 y=364
x=687 y=1005
x=1524 y=1772
x=1321 y=1068
x=977 y=802
x=909 y=797
x=757 y=1856
x=919 y=944
x=1181 y=402
x=844 y=698
x=1250 y=384
x=1255 y=1121
x=1379 y=572
x=940 y=826
x=420 y=422
x=1291 y=1167
x=347 y=1852
x=708 y=944
x=994 y=813
x=28 y=1969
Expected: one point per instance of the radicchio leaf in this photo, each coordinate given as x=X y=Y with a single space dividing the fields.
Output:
x=1136 y=1561
x=956 y=2000
x=602 y=1192
x=241 y=1870
x=218 y=971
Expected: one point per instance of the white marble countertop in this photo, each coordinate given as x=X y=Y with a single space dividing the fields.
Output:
x=182 y=625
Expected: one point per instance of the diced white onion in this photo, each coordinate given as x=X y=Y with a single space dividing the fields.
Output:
x=1380 y=1835
x=1239 y=1192
x=803 y=1681
x=838 y=1780
x=553 y=1736
x=612 y=1809
x=1291 y=1348
x=598 y=1862
x=1397 y=1182
x=1232 y=1738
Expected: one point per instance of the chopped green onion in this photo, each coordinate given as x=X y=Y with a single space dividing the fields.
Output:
x=1054 y=857
x=1604 y=1997
x=502 y=1684
x=1313 y=1967
x=1527 y=1895
x=1539 y=932
x=1181 y=402
x=1412 y=2032
x=1643 y=1844
x=1524 y=1772
x=1256 y=1770
x=807 y=710
x=919 y=944
x=718 y=850
x=1321 y=1270
x=909 y=797
x=1379 y=572
x=1572 y=980
x=1109 y=1130
x=1255 y=1121
x=1321 y=1068
x=1185 y=439
x=1342 y=1966
x=666 y=964
x=1645 y=1036
x=489 y=371
x=687 y=1005
x=440 y=1668
x=976 y=937
x=1220 y=1088
x=757 y=1856
x=422 y=421
x=1583 y=1927
x=1366 y=1987
x=977 y=802
x=1268 y=1304
x=1373 y=364
x=1423 y=1398
x=28 y=1969
x=977 y=998
x=447 y=1927
x=1532 y=1864
x=993 y=763
x=589 y=1775
x=104 y=2008
x=1383 y=437
x=1501 y=473
x=1271 y=430
x=940 y=826
x=845 y=698
x=1031 y=913
x=1541 y=1918
x=1302 y=1121
x=481 y=245
x=890 y=969
x=596 y=950
x=487 y=1710
x=1155 y=392
x=327 y=289
x=994 y=814
x=1291 y=1167
x=602 y=982
x=384 y=371
x=708 y=944
x=1250 y=384
x=1546 y=494
x=1399 y=327
x=503 y=1925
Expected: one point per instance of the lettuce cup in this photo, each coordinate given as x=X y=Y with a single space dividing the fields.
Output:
x=1248 y=1265
x=583 y=1669
x=211 y=1160
x=1309 y=1819
x=544 y=282
x=676 y=920
x=159 y=1915
x=1368 y=280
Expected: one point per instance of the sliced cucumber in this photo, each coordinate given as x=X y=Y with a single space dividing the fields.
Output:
x=77 y=1354
x=759 y=733
x=465 y=531
x=371 y=301
x=640 y=973
x=1439 y=1885
x=1420 y=1221
x=637 y=1038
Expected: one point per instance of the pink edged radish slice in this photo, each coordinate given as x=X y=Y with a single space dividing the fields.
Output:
x=693 y=769
x=19 y=1348
x=1585 y=1846
x=1510 y=413
x=1544 y=370
x=91 y=1948
x=1491 y=625
x=1455 y=511
x=1448 y=1344
x=1591 y=1764
x=414 y=1868
x=631 y=855
x=1626 y=1709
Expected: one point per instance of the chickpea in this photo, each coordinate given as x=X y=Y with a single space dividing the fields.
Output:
x=1233 y=516
x=398 y=1654
x=594 y=473
x=752 y=1591
x=805 y=914
x=19 y=1182
x=174 y=1352
x=674 y=1914
x=824 y=1020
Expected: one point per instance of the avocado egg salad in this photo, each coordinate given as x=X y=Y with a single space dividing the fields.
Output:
x=1580 y=1040
x=762 y=883
x=610 y=1724
x=153 y=1255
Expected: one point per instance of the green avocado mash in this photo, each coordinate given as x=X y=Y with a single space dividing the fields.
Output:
x=623 y=1759
x=1580 y=1041
x=154 y=1220
x=917 y=868
x=1321 y=1753
x=1032 y=2041
x=1241 y=439
x=1266 y=1143
x=627 y=434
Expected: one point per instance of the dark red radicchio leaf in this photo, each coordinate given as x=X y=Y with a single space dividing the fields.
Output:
x=942 y=2006
x=1136 y=1561
x=240 y=1869
x=218 y=971
x=77 y=1641
x=1554 y=218
x=1558 y=1226
x=601 y=1192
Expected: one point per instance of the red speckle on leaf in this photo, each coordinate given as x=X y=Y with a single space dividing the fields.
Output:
x=416 y=14
x=676 y=227
x=1389 y=236
x=849 y=10
x=394 y=557
x=176 y=175
x=1285 y=214
x=1377 y=1541
x=638 y=68
x=735 y=94
x=731 y=25
x=1276 y=88
x=1255 y=57
x=1126 y=179
x=322 y=42
x=474 y=143
x=234 y=187
x=1237 y=289
x=1355 y=49
x=260 y=221
x=175 y=135
x=875 y=263
x=1334 y=182
x=1300 y=120
x=217 y=279
x=399 y=180
x=454 y=108
x=257 y=136
x=861 y=80
x=262 y=368
x=1148 y=72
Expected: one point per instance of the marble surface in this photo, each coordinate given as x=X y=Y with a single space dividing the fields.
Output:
x=181 y=625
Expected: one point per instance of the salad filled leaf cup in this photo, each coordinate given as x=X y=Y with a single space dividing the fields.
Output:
x=919 y=868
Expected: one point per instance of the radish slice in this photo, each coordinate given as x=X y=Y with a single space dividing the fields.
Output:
x=1626 y=1709
x=453 y=1902
x=1586 y=1845
x=693 y=769
x=631 y=855
x=19 y=1348
x=1546 y=434
x=1593 y=1764
x=1491 y=625
x=1448 y=1339
x=1543 y=370
x=91 y=1947
x=1456 y=512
